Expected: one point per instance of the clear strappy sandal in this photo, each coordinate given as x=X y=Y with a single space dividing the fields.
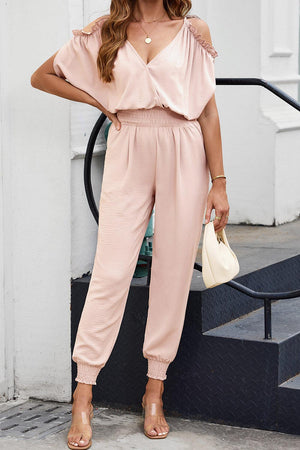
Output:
x=155 y=410
x=85 y=421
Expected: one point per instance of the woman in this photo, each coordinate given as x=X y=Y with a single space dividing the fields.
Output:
x=149 y=66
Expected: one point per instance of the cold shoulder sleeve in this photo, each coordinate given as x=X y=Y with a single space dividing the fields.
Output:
x=207 y=46
x=200 y=77
x=76 y=60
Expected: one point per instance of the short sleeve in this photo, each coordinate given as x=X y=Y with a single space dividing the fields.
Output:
x=76 y=60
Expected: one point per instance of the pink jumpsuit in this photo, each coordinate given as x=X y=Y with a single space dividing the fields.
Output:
x=157 y=157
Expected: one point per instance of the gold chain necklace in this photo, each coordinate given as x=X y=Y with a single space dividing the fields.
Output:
x=148 y=38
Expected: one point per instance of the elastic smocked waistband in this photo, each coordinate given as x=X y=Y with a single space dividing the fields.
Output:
x=155 y=116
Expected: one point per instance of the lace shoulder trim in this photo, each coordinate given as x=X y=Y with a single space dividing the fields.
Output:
x=96 y=26
x=206 y=45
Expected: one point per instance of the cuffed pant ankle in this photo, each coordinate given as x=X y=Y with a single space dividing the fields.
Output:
x=157 y=369
x=156 y=159
x=87 y=373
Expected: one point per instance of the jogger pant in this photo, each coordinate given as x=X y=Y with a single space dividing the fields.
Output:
x=157 y=157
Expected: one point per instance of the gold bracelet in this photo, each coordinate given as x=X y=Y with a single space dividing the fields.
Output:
x=218 y=176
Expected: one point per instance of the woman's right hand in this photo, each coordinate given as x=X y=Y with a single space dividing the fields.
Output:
x=112 y=117
x=115 y=120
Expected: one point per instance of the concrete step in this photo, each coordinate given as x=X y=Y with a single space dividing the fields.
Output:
x=289 y=405
x=222 y=304
x=231 y=373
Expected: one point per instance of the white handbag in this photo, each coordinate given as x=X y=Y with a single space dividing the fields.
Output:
x=219 y=262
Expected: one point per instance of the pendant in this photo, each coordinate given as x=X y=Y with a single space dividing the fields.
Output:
x=148 y=40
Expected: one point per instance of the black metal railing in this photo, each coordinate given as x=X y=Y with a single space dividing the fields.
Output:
x=259 y=82
x=267 y=297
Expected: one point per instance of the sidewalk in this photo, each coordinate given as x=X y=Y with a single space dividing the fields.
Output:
x=113 y=430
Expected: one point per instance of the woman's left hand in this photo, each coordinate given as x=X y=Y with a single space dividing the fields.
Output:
x=217 y=199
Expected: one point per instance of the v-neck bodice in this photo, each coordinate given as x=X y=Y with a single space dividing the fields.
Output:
x=164 y=49
x=180 y=76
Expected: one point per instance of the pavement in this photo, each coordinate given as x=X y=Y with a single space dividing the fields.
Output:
x=114 y=430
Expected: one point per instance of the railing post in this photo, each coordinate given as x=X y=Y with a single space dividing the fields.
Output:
x=268 y=318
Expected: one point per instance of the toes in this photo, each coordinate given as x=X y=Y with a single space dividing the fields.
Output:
x=151 y=431
x=74 y=439
x=157 y=430
x=84 y=440
x=78 y=439
x=161 y=430
x=71 y=437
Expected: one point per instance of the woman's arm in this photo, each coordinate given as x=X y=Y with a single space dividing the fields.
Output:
x=217 y=197
x=210 y=126
x=45 y=79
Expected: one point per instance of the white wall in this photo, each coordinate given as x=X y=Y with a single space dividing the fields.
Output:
x=260 y=133
x=36 y=207
x=6 y=305
x=83 y=117
x=280 y=66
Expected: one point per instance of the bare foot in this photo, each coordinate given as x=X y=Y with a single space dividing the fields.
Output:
x=82 y=410
x=155 y=423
